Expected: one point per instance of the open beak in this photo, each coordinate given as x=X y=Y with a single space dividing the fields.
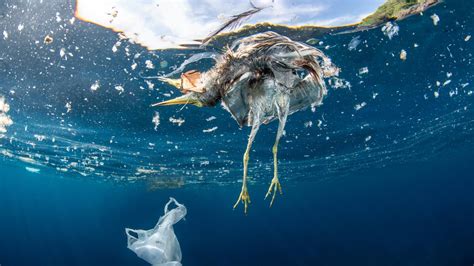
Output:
x=173 y=82
x=183 y=99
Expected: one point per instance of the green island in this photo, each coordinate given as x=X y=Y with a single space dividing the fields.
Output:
x=391 y=10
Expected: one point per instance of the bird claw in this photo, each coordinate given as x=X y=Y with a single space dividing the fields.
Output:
x=274 y=186
x=245 y=198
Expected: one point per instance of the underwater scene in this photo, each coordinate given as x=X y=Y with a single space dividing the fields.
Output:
x=207 y=132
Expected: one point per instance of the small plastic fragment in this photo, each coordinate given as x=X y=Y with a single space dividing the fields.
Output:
x=363 y=71
x=354 y=43
x=5 y=120
x=403 y=55
x=390 y=29
x=156 y=120
x=95 y=86
x=435 y=19
x=48 y=39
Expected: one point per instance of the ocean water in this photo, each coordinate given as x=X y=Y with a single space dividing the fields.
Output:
x=380 y=174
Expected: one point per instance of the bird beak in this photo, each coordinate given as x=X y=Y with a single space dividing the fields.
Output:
x=184 y=99
x=173 y=82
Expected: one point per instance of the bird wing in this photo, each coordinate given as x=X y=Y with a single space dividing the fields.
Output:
x=235 y=100
x=311 y=90
x=306 y=93
x=232 y=23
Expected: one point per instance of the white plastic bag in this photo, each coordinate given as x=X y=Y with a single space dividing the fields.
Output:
x=159 y=246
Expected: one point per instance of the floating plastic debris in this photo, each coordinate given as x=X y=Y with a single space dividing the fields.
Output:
x=5 y=120
x=403 y=55
x=178 y=121
x=363 y=71
x=21 y=27
x=5 y=35
x=308 y=124
x=150 y=84
x=468 y=37
x=159 y=246
x=116 y=46
x=68 y=107
x=39 y=138
x=58 y=17
x=28 y=160
x=329 y=69
x=390 y=29
x=357 y=107
x=339 y=83
x=435 y=19
x=95 y=86
x=4 y=106
x=156 y=120
x=354 y=43
x=48 y=39
x=120 y=89
x=149 y=64
x=210 y=118
x=32 y=170
x=210 y=130
x=453 y=92
x=143 y=171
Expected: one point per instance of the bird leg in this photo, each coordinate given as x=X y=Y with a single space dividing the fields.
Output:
x=244 y=195
x=282 y=105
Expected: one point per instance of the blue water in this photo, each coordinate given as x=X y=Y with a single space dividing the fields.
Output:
x=388 y=184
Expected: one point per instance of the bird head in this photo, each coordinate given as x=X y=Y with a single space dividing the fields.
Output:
x=188 y=82
x=192 y=87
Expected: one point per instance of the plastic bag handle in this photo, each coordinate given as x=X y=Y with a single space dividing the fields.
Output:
x=169 y=202
x=127 y=231
x=179 y=209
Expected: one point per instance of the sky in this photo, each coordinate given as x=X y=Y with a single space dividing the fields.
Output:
x=164 y=24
